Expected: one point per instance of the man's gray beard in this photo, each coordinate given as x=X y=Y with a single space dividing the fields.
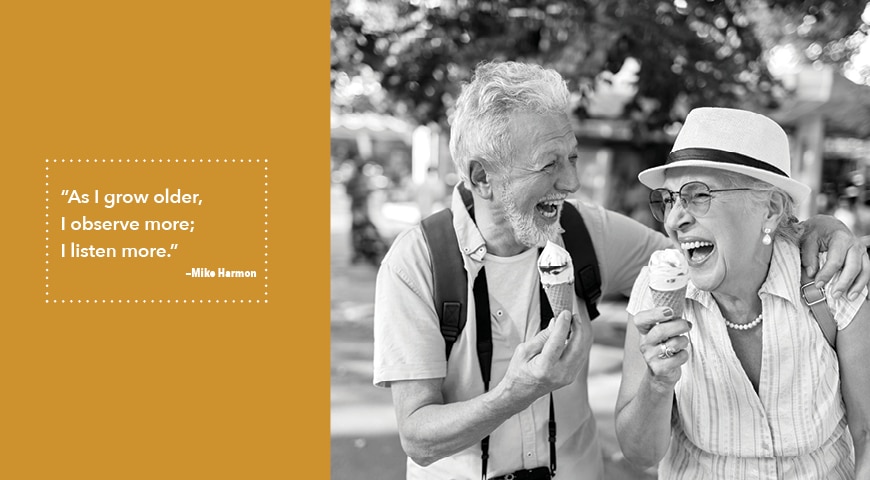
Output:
x=523 y=225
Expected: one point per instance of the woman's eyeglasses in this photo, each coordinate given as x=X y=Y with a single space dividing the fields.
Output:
x=694 y=197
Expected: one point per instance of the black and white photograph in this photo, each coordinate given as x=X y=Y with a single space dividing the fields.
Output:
x=616 y=240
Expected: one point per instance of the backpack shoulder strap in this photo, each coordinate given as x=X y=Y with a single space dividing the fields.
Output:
x=814 y=298
x=450 y=281
x=578 y=242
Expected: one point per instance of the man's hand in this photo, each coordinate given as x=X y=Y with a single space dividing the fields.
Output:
x=550 y=360
x=846 y=253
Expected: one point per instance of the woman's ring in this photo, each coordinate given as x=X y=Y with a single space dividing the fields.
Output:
x=666 y=351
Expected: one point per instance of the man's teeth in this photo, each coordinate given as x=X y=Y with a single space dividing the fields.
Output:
x=549 y=209
x=694 y=245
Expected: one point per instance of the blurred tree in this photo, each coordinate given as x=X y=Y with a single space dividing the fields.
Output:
x=412 y=55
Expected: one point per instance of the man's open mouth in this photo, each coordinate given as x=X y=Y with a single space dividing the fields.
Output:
x=549 y=208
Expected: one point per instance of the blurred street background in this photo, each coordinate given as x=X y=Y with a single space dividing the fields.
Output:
x=635 y=69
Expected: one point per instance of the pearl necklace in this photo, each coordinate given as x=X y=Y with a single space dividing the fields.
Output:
x=744 y=326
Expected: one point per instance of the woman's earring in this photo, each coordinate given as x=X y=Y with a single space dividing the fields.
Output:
x=766 y=238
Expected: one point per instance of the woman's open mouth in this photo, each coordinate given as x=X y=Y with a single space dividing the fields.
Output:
x=697 y=252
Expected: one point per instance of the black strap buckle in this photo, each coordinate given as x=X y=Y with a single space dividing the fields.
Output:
x=812 y=296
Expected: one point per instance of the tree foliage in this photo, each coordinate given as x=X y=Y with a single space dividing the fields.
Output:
x=415 y=54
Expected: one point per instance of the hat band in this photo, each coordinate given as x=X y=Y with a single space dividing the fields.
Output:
x=711 y=155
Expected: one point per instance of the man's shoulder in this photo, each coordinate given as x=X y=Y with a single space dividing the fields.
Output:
x=585 y=206
x=608 y=222
x=408 y=247
x=598 y=220
x=406 y=265
x=412 y=243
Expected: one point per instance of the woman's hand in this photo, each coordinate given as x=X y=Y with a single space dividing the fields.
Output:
x=644 y=406
x=663 y=344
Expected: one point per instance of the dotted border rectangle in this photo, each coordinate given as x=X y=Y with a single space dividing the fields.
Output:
x=225 y=161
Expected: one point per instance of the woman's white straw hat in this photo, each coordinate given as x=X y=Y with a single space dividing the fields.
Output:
x=735 y=141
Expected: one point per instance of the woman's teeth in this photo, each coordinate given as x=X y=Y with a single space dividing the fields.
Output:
x=694 y=245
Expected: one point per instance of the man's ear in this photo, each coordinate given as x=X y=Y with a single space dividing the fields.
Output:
x=480 y=180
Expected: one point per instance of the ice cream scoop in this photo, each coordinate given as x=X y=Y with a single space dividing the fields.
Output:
x=668 y=278
x=557 y=276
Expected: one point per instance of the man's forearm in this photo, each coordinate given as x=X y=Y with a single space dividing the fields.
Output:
x=432 y=429
x=436 y=431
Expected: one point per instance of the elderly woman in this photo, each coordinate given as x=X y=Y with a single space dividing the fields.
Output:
x=744 y=385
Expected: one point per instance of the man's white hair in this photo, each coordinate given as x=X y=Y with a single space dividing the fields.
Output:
x=480 y=127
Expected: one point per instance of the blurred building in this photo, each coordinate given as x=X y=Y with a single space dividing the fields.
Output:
x=612 y=152
x=380 y=140
x=828 y=120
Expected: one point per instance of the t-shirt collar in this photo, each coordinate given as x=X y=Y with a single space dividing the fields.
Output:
x=470 y=240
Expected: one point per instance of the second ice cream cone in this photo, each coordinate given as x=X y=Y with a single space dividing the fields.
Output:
x=668 y=278
x=675 y=299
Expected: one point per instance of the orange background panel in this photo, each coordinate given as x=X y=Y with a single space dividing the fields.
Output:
x=145 y=391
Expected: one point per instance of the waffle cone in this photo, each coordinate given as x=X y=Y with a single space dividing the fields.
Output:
x=675 y=299
x=561 y=297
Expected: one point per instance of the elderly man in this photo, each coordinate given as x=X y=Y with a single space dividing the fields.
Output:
x=515 y=151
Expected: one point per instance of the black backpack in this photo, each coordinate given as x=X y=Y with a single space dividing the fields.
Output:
x=450 y=280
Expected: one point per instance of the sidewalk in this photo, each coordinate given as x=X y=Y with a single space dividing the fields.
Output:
x=365 y=442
